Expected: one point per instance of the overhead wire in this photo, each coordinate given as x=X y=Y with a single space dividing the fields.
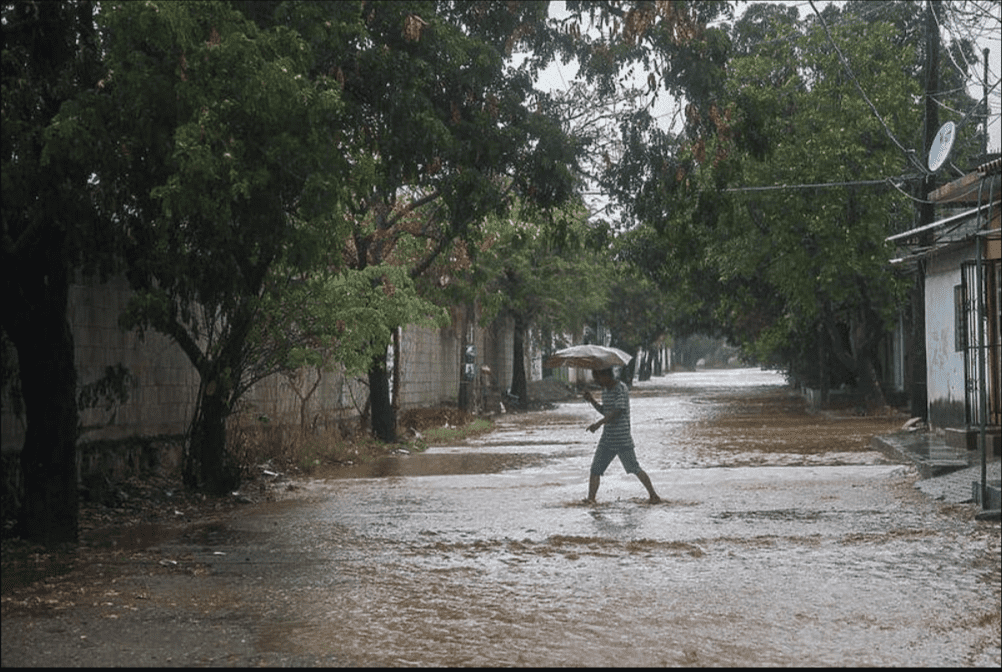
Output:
x=968 y=29
x=968 y=67
x=820 y=185
x=895 y=182
x=844 y=20
x=883 y=181
x=848 y=20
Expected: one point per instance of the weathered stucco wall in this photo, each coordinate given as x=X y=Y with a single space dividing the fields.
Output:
x=944 y=363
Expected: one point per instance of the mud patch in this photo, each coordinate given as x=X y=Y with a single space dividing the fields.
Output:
x=216 y=534
x=611 y=504
x=781 y=514
x=886 y=537
x=132 y=537
x=570 y=546
x=780 y=422
x=606 y=546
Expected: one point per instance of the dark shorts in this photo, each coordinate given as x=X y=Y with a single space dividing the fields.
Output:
x=603 y=457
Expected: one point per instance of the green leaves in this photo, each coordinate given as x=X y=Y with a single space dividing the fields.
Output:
x=345 y=317
x=246 y=155
x=542 y=270
x=804 y=122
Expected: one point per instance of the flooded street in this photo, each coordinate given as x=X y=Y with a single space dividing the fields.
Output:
x=783 y=540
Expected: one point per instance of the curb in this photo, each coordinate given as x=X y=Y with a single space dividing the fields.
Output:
x=938 y=459
x=989 y=514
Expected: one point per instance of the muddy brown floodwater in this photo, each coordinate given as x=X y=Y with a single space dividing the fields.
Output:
x=783 y=540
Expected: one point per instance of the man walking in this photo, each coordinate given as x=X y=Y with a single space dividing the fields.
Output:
x=616 y=437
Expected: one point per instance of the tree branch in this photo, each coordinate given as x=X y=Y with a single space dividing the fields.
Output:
x=414 y=205
x=425 y=263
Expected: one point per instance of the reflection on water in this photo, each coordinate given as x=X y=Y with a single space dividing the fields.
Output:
x=783 y=541
x=433 y=464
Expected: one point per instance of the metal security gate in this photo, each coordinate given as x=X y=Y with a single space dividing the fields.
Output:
x=989 y=332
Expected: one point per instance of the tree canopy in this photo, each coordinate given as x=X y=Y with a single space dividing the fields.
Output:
x=818 y=134
x=544 y=270
x=440 y=130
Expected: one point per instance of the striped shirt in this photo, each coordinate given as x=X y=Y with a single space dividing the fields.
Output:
x=616 y=435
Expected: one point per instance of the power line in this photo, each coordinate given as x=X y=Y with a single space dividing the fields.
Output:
x=825 y=185
x=843 y=20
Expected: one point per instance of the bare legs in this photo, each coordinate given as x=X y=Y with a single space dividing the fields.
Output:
x=646 y=480
x=593 y=483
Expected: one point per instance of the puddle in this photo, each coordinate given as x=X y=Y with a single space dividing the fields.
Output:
x=426 y=464
x=130 y=538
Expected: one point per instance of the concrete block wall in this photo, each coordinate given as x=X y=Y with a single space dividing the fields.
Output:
x=336 y=398
x=432 y=360
x=162 y=401
x=429 y=366
x=162 y=398
x=166 y=384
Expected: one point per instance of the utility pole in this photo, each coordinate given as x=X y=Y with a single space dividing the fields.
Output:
x=984 y=102
x=927 y=214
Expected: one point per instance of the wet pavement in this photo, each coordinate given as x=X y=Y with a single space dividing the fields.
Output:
x=949 y=473
x=784 y=539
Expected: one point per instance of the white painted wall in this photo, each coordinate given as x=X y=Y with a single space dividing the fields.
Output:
x=944 y=363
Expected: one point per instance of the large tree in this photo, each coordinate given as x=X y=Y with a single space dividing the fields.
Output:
x=637 y=315
x=226 y=157
x=444 y=131
x=50 y=235
x=843 y=116
x=795 y=112
x=789 y=265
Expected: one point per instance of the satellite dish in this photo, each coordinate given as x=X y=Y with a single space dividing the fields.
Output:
x=941 y=145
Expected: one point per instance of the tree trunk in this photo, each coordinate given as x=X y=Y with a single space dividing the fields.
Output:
x=631 y=370
x=869 y=384
x=519 y=384
x=384 y=418
x=41 y=333
x=208 y=465
x=398 y=356
x=824 y=377
x=646 y=365
x=860 y=360
x=864 y=338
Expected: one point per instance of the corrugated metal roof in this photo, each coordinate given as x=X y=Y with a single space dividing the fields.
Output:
x=993 y=167
x=959 y=217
